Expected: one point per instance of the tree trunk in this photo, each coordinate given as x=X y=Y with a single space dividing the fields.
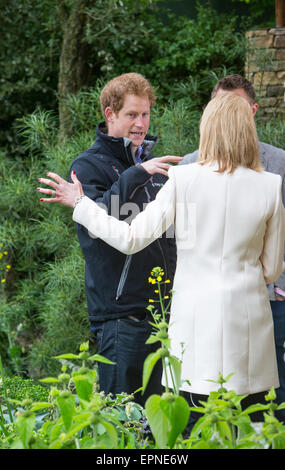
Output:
x=280 y=13
x=73 y=65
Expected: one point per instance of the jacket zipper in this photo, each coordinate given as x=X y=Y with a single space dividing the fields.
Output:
x=123 y=277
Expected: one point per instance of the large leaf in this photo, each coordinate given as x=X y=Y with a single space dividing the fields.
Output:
x=84 y=383
x=158 y=421
x=25 y=427
x=177 y=411
x=67 y=406
x=148 y=366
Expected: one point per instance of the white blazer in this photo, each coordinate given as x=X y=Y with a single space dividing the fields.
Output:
x=230 y=232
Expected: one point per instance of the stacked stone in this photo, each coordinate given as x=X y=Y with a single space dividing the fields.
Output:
x=265 y=68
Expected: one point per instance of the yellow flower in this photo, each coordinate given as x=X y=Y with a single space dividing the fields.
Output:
x=3 y=280
x=167 y=281
x=150 y=300
x=166 y=296
x=1 y=255
x=8 y=266
x=156 y=291
x=159 y=278
x=5 y=252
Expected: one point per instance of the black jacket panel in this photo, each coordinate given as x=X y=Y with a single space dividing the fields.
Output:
x=117 y=285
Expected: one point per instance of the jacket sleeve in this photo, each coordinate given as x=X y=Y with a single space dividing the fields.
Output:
x=273 y=249
x=147 y=226
x=190 y=158
x=281 y=280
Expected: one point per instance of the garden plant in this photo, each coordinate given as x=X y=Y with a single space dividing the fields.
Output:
x=73 y=414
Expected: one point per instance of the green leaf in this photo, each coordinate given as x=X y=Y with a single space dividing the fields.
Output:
x=25 y=427
x=49 y=380
x=278 y=442
x=201 y=444
x=152 y=339
x=84 y=385
x=148 y=366
x=281 y=406
x=253 y=408
x=67 y=356
x=67 y=408
x=177 y=411
x=99 y=358
x=271 y=395
x=40 y=406
x=111 y=438
x=158 y=421
x=224 y=430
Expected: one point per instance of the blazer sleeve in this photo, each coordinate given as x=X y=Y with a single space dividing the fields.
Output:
x=273 y=249
x=148 y=225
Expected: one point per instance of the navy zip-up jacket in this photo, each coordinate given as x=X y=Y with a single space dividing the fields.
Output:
x=117 y=285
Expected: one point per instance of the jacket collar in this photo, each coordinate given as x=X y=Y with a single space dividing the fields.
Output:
x=121 y=147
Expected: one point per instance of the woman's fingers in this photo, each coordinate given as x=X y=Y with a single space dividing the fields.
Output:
x=56 y=177
x=48 y=182
x=50 y=199
x=47 y=191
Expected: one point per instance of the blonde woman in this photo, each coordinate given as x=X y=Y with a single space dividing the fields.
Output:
x=230 y=230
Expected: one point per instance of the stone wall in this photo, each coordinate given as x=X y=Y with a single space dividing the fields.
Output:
x=265 y=68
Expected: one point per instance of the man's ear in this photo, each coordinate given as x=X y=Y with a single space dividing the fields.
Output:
x=254 y=108
x=109 y=114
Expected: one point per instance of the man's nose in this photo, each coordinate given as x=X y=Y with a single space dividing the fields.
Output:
x=139 y=121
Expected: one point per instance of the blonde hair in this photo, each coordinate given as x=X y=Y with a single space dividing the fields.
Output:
x=114 y=92
x=228 y=134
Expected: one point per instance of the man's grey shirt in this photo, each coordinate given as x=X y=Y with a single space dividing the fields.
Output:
x=273 y=161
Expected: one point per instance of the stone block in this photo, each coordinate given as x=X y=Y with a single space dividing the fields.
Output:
x=263 y=42
x=275 y=91
x=251 y=67
x=257 y=32
x=281 y=75
x=279 y=41
x=267 y=102
x=266 y=78
x=280 y=54
x=277 y=31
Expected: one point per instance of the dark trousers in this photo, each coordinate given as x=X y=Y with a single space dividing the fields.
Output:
x=278 y=313
x=123 y=342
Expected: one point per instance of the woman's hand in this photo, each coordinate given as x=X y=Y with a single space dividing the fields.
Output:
x=63 y=192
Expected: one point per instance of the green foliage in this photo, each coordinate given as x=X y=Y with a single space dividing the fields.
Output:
x=30 y=45
x=182 y=57
x=177 y=54
x=42 y=306
x=76 y=415
x=19 y=389
x=262 y=12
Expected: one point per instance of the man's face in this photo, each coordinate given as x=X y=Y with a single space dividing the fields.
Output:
x=132 y=121
x=243 y=94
